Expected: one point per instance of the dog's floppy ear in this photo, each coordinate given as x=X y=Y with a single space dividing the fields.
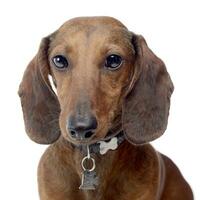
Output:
x=146 y=106
x=39 y=103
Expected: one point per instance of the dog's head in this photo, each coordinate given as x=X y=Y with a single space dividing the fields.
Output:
x=105 y=77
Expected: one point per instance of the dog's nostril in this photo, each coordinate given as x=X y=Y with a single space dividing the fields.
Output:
x=82 y=128
x=88 y=134
x=72 y=133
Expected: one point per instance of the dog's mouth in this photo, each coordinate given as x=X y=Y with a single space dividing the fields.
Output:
x=83 y=142
x=103 y=133
x=112 y=132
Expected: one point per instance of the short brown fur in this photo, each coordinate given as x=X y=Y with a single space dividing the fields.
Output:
x=135 y=98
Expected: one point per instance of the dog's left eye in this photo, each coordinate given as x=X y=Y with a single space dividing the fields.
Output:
x=60 y=61
x=113 y=62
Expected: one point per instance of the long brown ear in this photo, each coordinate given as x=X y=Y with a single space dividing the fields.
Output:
x=146 y=107
x=39 y=103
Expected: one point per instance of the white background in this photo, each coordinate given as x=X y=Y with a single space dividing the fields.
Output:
x=172 y=31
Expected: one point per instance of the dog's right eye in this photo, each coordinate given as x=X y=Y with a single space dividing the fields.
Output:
x=60 y=62
x=113 y=62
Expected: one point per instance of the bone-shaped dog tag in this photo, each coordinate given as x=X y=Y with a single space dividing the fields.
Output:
x=89 y=180
x=105 y=146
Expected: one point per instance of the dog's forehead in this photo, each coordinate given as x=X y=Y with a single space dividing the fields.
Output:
x=81 y=30
x=92 y=21
x=87 y=26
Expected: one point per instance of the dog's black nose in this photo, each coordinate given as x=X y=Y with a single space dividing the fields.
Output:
x=82 y=127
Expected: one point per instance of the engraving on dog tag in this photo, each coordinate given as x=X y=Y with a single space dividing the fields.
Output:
x=89 y=180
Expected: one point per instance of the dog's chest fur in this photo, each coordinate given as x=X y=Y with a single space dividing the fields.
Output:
x=60 y=170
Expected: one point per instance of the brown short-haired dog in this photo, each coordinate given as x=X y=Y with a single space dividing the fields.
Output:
x=113 y=97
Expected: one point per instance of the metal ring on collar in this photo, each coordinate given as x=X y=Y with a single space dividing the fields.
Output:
x=93 y=164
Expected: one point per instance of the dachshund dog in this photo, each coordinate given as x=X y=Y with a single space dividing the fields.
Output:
x=99 y=95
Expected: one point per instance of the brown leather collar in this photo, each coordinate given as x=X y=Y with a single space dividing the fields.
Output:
x=96 y=148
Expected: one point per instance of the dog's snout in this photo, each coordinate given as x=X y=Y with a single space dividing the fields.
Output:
x=82 y=127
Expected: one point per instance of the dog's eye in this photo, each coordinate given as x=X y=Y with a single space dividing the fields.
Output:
x=113 y=62
x=60 y=62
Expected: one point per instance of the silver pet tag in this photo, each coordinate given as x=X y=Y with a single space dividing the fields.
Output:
x=89 y=179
